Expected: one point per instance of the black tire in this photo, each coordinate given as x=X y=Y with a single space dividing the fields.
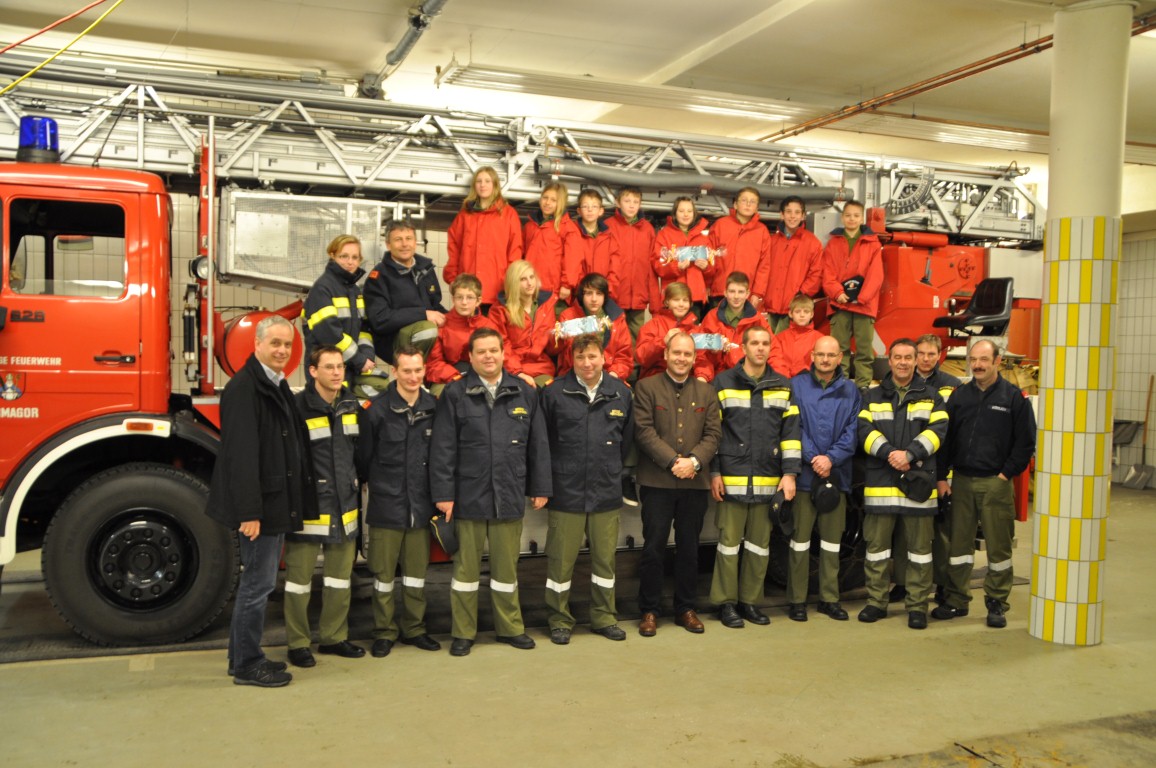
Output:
x=131 y=558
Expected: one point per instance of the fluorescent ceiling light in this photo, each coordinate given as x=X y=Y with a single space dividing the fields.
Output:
x=620 y=92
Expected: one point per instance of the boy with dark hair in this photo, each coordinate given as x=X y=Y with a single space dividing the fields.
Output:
x=730 y=319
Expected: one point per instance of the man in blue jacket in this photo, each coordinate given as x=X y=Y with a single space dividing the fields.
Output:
x=489 y=451
x=829 y=410
x=589 y=419
x=403 y=298
x=262 y=487
x=991 y=438
x=393 y=457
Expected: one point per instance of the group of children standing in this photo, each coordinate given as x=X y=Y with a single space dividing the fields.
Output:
x=716 y=279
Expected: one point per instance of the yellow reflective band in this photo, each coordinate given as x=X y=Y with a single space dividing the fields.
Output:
x=880 y=408
x=931 y=438
x=346 y=346
x=791 y=445
x=341 y=302
x=349 y=517
x=321 y=314
x=937 y=416
x=360 y=301
x=873 y=437
x=792 y=411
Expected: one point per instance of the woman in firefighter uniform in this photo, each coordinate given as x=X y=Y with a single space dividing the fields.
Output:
x=393 y=457
x=334 y=312
x=330 y=412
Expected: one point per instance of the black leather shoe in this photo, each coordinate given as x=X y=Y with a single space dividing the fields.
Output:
x=344 y=649
x=753 y=614
x=461 y=646
x=898 y=594
x=613 y=632
x=522 y=642
x=560 y=636
x=262 y=676
x=422 y=642
x=946 y=612
x=834 y=610
x=870 y=614
x=729 y=616
x=917 y=620
x=797 y=611
x=381 y=648
x=276 y=666
x=302 y=657
x=995 y=617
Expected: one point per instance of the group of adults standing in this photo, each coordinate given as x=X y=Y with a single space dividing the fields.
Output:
x=752 y=439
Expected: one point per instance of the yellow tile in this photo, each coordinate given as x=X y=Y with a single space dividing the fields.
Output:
x=1098 y=238
x=1049 y=619
x=1073 y=326
x=1098 y=468
x=1075 y=527
x=1081 y=411
x=1094 y=581
x=1067 y=453
x=1036 y=574
x=1061 y=590
x=1053 y=283
x=1106 y=324
x=1060 y=369
x=1082 y=624
x=1049 y=408
x=1085 y=282
x=1065 y=239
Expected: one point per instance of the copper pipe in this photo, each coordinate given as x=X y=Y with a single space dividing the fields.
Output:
x=1139 y=26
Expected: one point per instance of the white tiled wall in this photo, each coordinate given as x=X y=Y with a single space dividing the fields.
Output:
x=185 y=249
x=1136 y=350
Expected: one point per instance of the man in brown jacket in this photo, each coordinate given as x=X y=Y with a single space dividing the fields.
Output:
x=677 y=429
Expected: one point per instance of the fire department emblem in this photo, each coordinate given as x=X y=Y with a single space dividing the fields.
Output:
x=13 y=386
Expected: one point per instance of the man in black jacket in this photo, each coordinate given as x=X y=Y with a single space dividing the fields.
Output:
x=329 y=411
x=588 y=417
x=489 y=452
x=263 y=487
x=403 y=298
x=991 y=438
x=393 y=457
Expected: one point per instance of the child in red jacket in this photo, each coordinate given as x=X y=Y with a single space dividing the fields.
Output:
x=636 y=287
x=853 y=280
x=730 y=319
x=547 y=236
x=791 y=349
x=747 y=245
x=666 y=322
x=485 y=237
x=796 y=263
x=449 y=357
x=685 y=229
x=594 y=301
x=595 y=245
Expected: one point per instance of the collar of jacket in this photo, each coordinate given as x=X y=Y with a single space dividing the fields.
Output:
x=752 y=222
x=770 y=376
x=916 y=388
x=345 y=402
x=834 y=379
x=781 y=228
x=697 y=228
x=572 y=386
x=420 y=264
x=639 y=221
x=600 y=227
x=864 y=232
x=507 y=385
x=495 y=207
x=721 y=311
x=349 y=278
x=611 y=308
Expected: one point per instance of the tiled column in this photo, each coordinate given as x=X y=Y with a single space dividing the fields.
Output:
x=1077 y=356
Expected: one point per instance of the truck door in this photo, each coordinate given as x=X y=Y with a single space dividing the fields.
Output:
x=70 y=342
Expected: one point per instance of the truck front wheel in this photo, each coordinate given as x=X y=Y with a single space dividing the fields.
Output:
x=131 y=558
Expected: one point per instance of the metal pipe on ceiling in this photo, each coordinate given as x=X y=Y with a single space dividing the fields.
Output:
x=703 y=183
x=419 y=20
x=1139 y=26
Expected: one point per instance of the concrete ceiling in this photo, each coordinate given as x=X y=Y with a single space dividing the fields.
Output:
x=821 y=53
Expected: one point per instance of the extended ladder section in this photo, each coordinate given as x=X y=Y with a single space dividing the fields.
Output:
x=278 y=134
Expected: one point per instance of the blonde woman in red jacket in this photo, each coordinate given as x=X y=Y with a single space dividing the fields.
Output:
x=525 y=318
x=748 y=248
x=485 y=237
x=684 y=228
x=796 y=264
x=853 y=280
x=550 y=246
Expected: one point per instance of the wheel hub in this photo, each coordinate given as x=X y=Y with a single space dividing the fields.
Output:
x=141 y=560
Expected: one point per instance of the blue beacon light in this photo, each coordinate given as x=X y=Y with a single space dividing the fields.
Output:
x=39 y=140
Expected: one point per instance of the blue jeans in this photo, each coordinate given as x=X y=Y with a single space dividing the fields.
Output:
x=259 y=560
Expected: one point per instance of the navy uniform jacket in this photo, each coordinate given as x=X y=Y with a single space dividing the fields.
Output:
x=396 y=297
x=588 y=442
x=332 y=436
x=989 y=432
x=393 y=457
x=334 y=316
x=488 y=460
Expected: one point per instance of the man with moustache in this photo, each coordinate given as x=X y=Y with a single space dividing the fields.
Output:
x=991 y=439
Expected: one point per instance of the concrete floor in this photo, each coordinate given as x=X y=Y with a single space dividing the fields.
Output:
x=823 y=693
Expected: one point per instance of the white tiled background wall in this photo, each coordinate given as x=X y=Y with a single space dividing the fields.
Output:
x=1135 y=350
x=185 y=250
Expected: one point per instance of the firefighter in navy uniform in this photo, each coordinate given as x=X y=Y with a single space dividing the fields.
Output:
x=928 y=349
x=393 y=457
x=759 y=454
x=330 y=412
x=991 y=439
x=901 y=427
x=590 y=423
x=334 y=311
x=489 y=452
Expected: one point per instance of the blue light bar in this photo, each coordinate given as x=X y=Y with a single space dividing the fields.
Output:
x=39 y=140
